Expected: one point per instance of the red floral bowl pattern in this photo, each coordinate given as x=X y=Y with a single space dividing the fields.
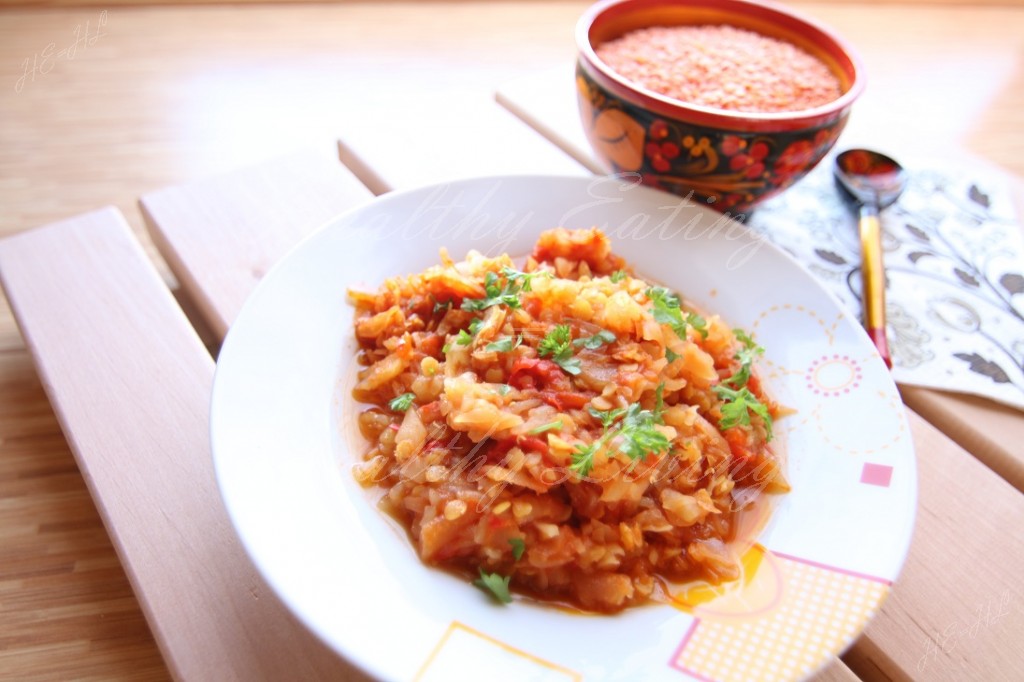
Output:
x=729 y=160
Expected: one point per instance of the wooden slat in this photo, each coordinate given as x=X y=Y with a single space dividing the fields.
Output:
x=130 y=382
x=476 y=138
x=992 y=432
x=989 y=431
x=913 y=613
x=220 y=236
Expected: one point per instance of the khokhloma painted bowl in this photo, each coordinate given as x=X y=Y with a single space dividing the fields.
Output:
x=729 y=160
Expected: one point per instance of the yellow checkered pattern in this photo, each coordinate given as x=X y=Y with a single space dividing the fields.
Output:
x=820 y=612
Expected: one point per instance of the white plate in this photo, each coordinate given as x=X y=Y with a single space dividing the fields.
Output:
x=283 y=451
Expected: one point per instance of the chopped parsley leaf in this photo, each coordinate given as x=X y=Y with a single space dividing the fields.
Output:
x=596 y=341
x=558 y=346
x=507 y=293
x=583 y=458
x=495 y=294
x=746 y=355
x=518 y=547
x=505 y=345
x=513 y=275
x=639 y=435
x=464 y=338
x=494 y=584
x=671 y=354
x=571 y=366
x=475 y=324
x=698 y=323
x=607 y=417
x=637 y=429
x=402 y=403
x=550 y=426
x=556 y=341
x=440 y=306
x=738 y=405
x=618 y=276
x=666 y=310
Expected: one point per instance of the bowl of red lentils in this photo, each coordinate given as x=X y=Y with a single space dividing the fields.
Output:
x=725 y=102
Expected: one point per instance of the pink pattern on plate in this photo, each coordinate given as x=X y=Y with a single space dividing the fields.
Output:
x=876 y=474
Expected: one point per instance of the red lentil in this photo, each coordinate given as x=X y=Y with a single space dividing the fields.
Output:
x=723 y=67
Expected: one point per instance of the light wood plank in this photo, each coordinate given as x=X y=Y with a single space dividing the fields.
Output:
x=836 y=671
x=130 y=381
x=477 y=137
x=259 y=213
x=991 y=432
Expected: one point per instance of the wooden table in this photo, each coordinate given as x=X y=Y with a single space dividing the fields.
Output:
x=157 y=101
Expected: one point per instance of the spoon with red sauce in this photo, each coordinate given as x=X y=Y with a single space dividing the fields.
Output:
x=874 y=181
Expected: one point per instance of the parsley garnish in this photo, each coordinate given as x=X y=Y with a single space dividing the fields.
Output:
x=513 y=275
x=464 y=338
x=495 y=584
x=505 y=345
x=558 y=345
x=506 y=294
x=556 y=341
x=518 y=547
x=618 y=276
x=671 y=355
x=402 y=403
x=607 y=417
x=596 y=341
x=738 y=405
x=583 y=457
x=503 y=389
x=495 y=295
x=746 y=355
x=698 y=323
x=639 y=435
x=551 y=426
x=439 y=306
x=445 y=348
x=637 y=429
x=666 y=310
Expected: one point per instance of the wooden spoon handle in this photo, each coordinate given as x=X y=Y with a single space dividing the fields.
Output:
x=873 y=275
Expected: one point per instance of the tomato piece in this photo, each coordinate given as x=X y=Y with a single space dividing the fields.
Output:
x=431 y=345
x=533 y=443
x=498 y=449
x=431 y=412
x=739 y=443
x=562 y=400
x=533 y=373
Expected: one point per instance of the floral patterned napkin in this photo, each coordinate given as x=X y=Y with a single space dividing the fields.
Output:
x=954 y=259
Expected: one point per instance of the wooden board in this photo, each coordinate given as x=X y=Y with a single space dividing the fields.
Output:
x=258 y=213
x=477 y=138
x=130 y=383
